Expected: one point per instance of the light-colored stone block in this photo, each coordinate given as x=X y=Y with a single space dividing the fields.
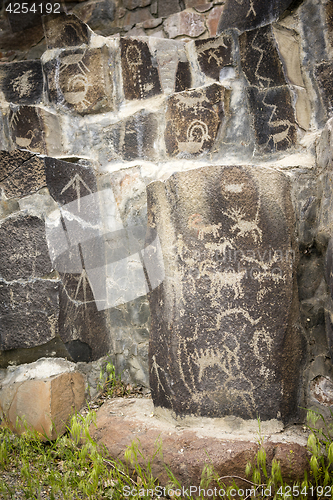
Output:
x=41 y=396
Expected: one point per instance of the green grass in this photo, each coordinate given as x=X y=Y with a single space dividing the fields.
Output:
x=74 y=467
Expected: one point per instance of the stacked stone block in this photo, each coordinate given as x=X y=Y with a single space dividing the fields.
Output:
x=112 y=114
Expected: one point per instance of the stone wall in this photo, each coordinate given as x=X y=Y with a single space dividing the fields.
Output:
x=229 y=136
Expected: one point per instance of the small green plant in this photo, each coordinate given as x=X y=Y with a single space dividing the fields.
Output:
x=110 y=384
x=320 y=445
x=74 y=467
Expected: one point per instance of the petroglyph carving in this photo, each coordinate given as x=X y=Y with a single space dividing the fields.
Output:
x=134 y=61
x=140 y=77
x=251 y=9
x=260 y=59
x=284 y=135
x=235 y=311
x=27 y=128
x=250 y=14
x=77 y=79
x=261 y=343
x=156 y=367
x=22 y=84
x=195 y=221
x=229 y=279
x=197 y=134
x=65 y=30
x=193 y=119
x=274 y=119
x=77 y=86
x=207 y=358
x=243 y=226
x=75 y=183
x=213 y=314
x=214 y=54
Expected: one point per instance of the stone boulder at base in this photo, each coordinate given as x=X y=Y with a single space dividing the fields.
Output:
x=41 y=396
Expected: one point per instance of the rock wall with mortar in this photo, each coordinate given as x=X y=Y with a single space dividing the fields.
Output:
x=94 y=122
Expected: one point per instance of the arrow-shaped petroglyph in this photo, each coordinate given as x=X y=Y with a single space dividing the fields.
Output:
x=155 y=367
x=75 y=183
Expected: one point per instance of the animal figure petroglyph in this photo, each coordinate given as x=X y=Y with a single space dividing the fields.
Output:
x=234 y=311
x=230 y=279
x=280 y=136
x=195 y=222
x=23 y=84
x=77 y=85
x=206 y=359
x=77 y=88
x=243 y=226
x=220 y=247
x=227 y=361
x=74 y=59
x=197 y=134
x=24 y=142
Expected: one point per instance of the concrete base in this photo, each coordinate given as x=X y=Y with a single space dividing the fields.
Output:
x=190 y=443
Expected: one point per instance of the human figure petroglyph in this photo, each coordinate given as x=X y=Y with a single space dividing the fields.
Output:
x=251 y=9
x=213 y=55
x=134 y=61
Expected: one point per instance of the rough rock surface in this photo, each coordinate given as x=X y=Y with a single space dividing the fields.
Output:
x=223 y=339
x=110 y=110
x=226 y=444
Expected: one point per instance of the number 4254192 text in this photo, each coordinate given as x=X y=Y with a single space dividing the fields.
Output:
x=36 y=8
